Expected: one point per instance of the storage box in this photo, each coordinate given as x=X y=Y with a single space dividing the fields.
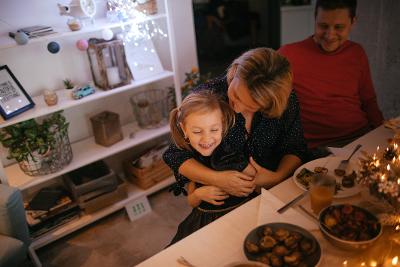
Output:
x=93 y=179
x=104 y=200
x=146 y=177
x=106 y=128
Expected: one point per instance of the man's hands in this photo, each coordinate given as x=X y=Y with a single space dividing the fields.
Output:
x=235 y=183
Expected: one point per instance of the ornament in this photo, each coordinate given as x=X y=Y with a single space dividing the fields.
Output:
x=107 y=34
x=53 y=47
x=74 y=24
x=50 y=97
x=21 y=38
x=82 y=44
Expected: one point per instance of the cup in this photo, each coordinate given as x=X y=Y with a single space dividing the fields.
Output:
x=322 y=189
x=50 y=97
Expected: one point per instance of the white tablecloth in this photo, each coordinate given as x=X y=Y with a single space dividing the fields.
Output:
x=221 y=242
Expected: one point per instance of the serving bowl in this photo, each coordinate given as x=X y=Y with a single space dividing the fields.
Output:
x=349 y=227
x=246 y=264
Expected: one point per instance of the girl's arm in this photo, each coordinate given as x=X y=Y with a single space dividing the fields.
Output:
x=192 y=198
x=208 y=193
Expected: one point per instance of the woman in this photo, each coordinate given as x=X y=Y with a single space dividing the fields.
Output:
x=258 y=86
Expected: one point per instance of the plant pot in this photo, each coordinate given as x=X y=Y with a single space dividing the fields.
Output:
x=52 y=161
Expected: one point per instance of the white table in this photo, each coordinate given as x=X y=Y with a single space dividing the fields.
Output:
x=221 y=242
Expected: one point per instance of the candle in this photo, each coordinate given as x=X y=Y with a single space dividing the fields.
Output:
x=395 y=260
x=113 y=76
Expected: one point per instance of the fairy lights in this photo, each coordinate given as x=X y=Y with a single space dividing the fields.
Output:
x=381 y=172
x=135 y=24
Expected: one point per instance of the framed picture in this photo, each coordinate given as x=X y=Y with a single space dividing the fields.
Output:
x=143 y=59
x=137 y=208
x=13 y=98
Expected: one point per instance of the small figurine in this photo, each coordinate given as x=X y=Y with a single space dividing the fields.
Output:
x=82 y=92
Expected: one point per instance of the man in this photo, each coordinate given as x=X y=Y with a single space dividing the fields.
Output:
x=332 y=79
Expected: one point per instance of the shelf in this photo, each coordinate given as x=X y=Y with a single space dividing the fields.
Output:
x=133 y=193
x=84 y=152
x=63 y=30
x=65 y=102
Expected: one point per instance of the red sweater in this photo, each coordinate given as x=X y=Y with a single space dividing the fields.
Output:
x=335 y=91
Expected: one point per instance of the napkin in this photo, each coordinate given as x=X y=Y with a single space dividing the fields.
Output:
x=267 y=213
x=340 y=151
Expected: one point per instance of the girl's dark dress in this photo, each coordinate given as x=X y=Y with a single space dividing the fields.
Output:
x=223 y=158
x=268 y=142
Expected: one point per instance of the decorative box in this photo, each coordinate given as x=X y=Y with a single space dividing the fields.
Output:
x=106 y=128
x=91 y=180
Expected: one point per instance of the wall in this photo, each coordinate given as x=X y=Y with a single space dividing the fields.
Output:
x=37 y=69
x=377 y=30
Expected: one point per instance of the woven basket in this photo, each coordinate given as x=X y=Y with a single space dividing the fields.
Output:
x=53 y=161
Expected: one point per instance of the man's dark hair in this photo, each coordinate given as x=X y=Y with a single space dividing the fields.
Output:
x=351 y=5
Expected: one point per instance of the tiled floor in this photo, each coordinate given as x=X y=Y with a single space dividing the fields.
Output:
x=116 y=241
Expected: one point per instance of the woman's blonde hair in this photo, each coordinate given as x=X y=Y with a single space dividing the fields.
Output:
x=268 y=77
x=201 y=101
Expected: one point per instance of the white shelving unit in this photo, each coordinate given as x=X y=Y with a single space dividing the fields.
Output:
x=62 y=32
x=87 y=151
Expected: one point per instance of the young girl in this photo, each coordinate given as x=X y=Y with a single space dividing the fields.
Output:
x=199 y=125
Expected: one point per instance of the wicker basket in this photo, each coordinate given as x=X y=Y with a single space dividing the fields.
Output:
x=146 y=177
x=149 y=7
x=53 y=161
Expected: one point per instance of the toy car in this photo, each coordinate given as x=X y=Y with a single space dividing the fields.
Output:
x=82 y=92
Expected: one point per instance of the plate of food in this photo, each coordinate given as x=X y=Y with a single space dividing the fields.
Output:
x=346 y=184
x=282 y=244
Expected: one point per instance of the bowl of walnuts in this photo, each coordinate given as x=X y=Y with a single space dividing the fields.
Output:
x=349 y=227
x=282 y=244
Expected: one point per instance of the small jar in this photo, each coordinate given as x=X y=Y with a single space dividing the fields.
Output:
x=74 y=24
x=50 y=97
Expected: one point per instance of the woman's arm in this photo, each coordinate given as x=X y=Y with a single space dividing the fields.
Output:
x=233 y=182
x=267 y=179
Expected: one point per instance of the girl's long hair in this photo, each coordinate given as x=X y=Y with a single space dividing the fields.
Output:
x=201 y=101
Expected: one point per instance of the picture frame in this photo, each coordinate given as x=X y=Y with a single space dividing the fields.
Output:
x=13 y=97
x=143 y=59
x=137 y=208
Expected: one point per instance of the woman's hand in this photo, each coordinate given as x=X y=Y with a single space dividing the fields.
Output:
x=235 y=183
x=264 y=177
x=211 y=194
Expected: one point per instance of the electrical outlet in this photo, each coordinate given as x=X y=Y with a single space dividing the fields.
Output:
x=137 y=208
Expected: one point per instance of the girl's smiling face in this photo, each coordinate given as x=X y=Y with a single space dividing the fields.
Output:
x=204 y=130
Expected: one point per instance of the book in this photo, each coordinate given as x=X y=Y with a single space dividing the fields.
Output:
x=35 y=29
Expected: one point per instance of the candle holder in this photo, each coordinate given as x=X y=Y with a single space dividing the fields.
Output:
x=108 y=63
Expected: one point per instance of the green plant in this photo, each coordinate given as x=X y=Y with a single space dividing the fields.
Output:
x=68 y=84
x=25 y=138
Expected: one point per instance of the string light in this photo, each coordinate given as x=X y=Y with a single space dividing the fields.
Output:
x=395 y=260
x=135 y=24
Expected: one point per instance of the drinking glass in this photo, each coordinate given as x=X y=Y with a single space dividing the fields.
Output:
x=322 y=189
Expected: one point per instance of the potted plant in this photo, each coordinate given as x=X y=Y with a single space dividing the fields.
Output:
x=28 y=142
x=69 y=85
